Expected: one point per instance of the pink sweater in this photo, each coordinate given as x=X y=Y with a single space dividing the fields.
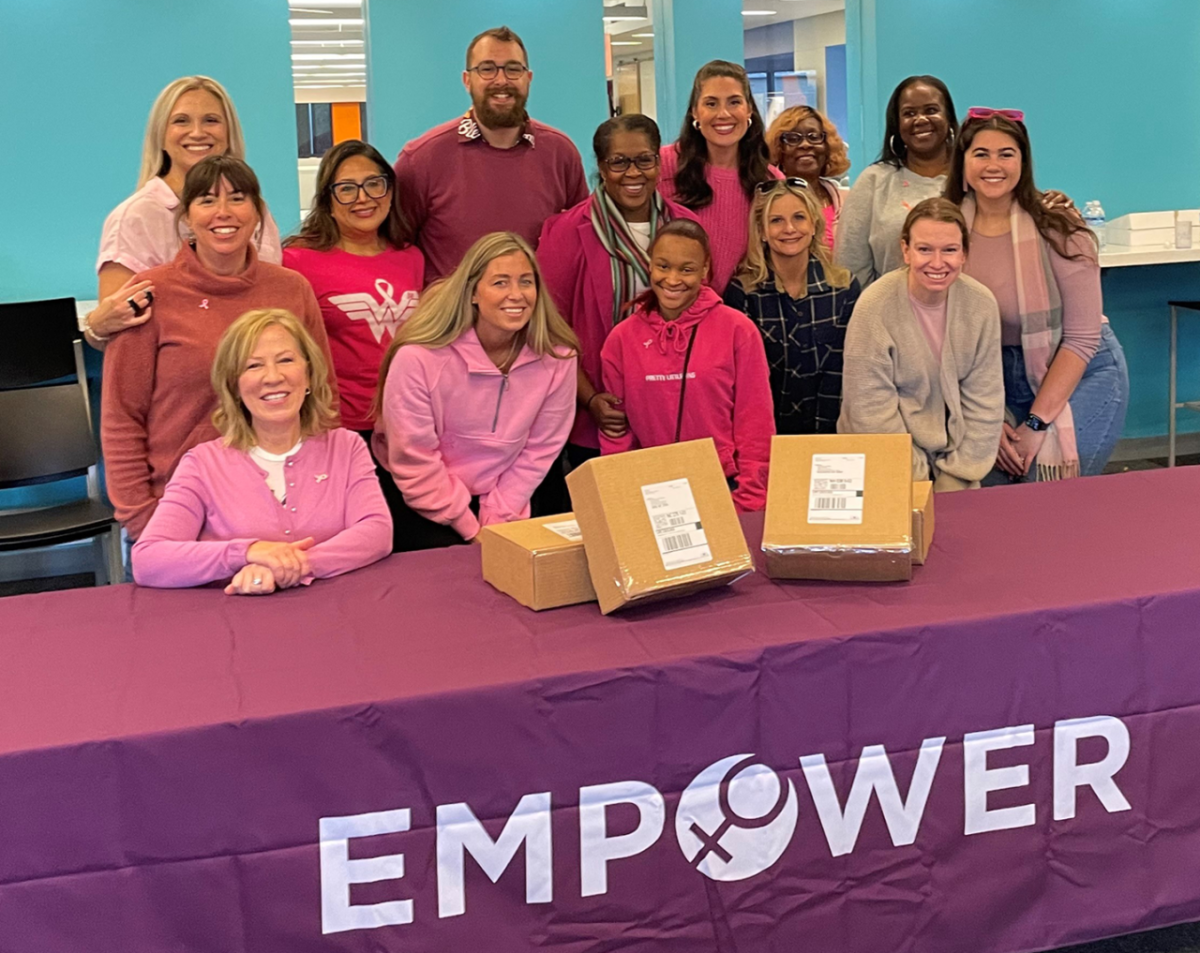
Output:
x=578 y=272
x=454 y=427
x=728 y=388
x=726 y=219
x=218 y=503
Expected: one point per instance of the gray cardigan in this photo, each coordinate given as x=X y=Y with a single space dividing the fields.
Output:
x=868 y=231
x=892 y=383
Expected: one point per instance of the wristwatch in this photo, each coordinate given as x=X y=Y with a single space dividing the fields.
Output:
x=1035 y=423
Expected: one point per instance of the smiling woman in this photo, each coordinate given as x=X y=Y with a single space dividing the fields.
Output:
x=284 y=496
x=164 y=363
x=191 y=119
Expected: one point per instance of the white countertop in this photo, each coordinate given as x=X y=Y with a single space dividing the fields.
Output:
x=1122 y=256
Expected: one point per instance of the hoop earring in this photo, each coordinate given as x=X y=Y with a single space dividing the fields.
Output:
x=695 y=123
x=892 y=143
x=307 y=390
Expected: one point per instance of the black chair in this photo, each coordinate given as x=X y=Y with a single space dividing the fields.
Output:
x=46 y=434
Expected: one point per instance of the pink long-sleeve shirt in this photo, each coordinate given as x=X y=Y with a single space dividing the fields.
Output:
x=728 y=393
x=578 y=272
x=218 y=503
x=454 y=427
x=726 y=218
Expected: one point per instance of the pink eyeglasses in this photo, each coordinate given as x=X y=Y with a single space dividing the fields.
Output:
x=986 y=112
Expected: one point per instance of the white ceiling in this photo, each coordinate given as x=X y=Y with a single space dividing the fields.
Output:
x=328 y=48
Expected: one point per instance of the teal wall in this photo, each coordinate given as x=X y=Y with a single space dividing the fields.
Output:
x=79 y=77
x=416 y=52
x=687 y=34
x=1111 y=93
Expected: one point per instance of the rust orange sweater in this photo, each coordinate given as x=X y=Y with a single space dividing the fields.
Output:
x=157 y=402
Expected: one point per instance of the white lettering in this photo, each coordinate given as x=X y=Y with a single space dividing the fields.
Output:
x=338 y=872
x=596 y=848
x=459 y=832
x=874 y=773
x=978 y=780
x=1069 y=774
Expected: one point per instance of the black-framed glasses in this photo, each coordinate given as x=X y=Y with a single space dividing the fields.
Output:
x=346 y=193
x=488 y=70
x=769 y=185
x=799 y=138
x=645 y=162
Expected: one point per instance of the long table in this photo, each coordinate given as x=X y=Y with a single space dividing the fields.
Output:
x=998 y=756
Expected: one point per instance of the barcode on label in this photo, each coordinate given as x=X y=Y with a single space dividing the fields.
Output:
x=678 y=521
x=829 y=502
x=672 y=544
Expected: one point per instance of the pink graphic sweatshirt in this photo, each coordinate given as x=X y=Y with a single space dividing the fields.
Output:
x=728 y=395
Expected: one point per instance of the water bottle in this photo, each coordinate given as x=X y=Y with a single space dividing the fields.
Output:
x=1093 y=217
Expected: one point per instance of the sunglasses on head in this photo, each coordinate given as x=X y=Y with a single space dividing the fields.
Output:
x=769 y=185
x=986 y=112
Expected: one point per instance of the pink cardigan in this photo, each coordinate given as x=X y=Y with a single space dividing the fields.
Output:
x=728 y=393
x=217 y=504
x=578 y=273
x=454 y=427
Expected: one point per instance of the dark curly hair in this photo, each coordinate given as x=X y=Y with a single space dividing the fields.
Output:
x=691 y=187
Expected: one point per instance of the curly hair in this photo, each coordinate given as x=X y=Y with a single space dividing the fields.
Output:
x=837 y=158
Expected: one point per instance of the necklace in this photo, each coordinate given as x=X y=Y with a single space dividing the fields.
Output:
x=505 y=365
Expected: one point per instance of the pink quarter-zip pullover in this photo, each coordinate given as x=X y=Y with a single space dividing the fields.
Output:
x=728 y=393
x=454 y=427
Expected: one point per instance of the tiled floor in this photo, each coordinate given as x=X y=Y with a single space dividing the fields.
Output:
x=1179 y=939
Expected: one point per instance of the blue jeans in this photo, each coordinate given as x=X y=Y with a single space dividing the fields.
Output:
x=1098 y=405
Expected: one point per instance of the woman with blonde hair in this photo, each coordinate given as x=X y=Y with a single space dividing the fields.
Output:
x=804 y=144
x=191 y=119
x=800 y=300
x=476 y=398
x=284 y=496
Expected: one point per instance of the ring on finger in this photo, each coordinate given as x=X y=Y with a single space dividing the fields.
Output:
x=138 y=310
x=257 y=581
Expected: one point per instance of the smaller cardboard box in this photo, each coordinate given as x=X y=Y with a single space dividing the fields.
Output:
x=658 y=523
x=922 y=517
x=540 y=562
x=839 y=507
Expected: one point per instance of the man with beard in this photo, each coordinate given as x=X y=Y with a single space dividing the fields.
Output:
x=493 y=169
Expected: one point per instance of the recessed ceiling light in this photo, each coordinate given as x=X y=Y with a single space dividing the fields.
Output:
x=758 y=13
x=621 y=19
x=650 y=35
x=325 y=23
x=624 y=43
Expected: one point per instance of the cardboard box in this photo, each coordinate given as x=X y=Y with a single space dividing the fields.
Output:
x=922 y=517
x=839 y=507
x=658 y=523
x=540 y=562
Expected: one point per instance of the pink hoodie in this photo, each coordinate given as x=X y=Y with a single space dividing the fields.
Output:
x=454 y=427
x=578 y=272
x=728 y=393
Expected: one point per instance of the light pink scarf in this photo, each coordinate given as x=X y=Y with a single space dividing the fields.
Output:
x=1041 y=331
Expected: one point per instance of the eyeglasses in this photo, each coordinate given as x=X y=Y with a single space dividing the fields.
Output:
x=797 y=138
x=986 y=112
x=769 y=185
x=488 y=70
x=645 y=162
x=346 y=193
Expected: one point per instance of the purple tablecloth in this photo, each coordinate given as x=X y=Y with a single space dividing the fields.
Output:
x=167 y=758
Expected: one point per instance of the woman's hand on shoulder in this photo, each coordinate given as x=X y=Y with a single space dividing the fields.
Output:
x=1053 y=199
x=251 y=580
x=127 y=307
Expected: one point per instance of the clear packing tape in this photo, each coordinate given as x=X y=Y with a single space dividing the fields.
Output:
x=884 y=561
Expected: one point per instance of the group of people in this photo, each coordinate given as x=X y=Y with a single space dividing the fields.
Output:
x=445 y=336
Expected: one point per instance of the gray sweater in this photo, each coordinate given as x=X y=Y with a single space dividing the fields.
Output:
x=892 y=383
x=868 y=232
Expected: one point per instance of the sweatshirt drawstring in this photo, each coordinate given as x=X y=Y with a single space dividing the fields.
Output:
x=669 y=331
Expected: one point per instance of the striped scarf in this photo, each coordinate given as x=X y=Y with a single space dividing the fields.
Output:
x=629 y=262
x=1041 y=331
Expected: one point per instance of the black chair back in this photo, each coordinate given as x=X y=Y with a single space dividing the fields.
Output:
x=45 y=434
x=37 y=338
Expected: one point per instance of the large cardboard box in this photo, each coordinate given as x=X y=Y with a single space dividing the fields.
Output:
x=658 y=523
x=922 y=521
x=539 y=562
x=839 y=507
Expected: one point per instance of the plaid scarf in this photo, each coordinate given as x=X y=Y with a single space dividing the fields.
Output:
x=1041 y=330
x=629 y=262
